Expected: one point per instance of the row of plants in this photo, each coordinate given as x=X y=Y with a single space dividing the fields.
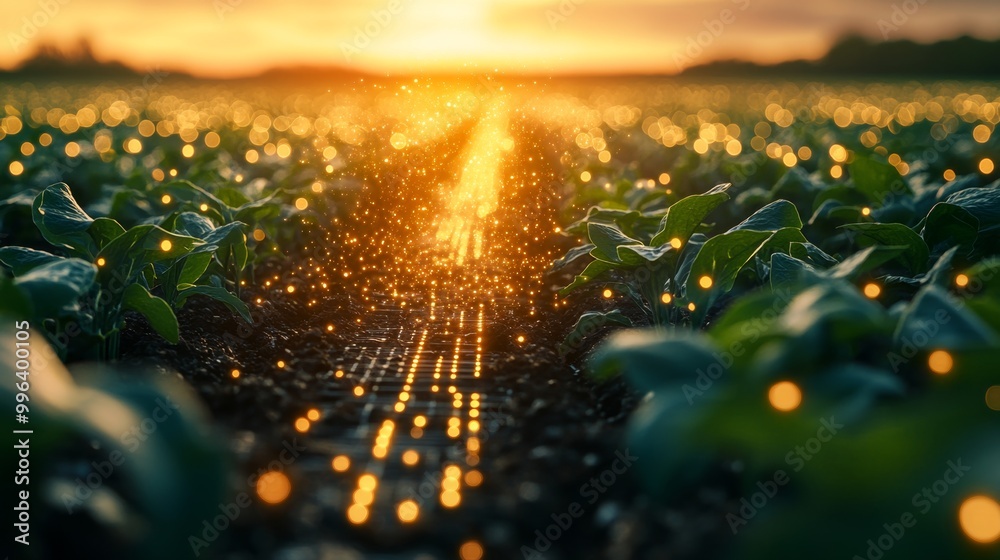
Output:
x=864 y=310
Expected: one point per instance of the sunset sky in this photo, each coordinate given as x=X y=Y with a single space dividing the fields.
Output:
x=238 y=37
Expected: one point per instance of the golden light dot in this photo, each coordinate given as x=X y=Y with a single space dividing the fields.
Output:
x=340 y=463
x=235 y=374
x=273 y=487
x=664 y=178
x=357 y=514
x=101 y=261
x=133 y=146
x=838 y=153
x=608 y=293
x=471 y=550
x=363 y=497
x=604 y=156
x=789 y=160
x=313 y=414
x=473 y=479
x=166 y=245
x=258 y=234
x=981 y=133
x=166 y=199
x=705 y=282
x=203 y=207
x=520 y=339
x=212 y=139
x=836 y=172
x=411 y=457
x=16 y=168
x=949 y=175
x=450 y=499
x=301 y=425
x=940 y=362
x=290 y=289
x=329 y=328
x=666 y=298
x=866 y=211
x=28 y=148
x=691 y=306
x=252 y=156
x=872 y=291
x=408 y=511
x=301 y=203
x=979 y=517
x=358 y=391
x=785 y=396
x=398 y=140
x=961 y=280
x=281 y=364
x=585 y=177
x=368 y=482
x=72 y=149
x=986 y=166
x=187 y=151
x=420 y=421
x=993 y=398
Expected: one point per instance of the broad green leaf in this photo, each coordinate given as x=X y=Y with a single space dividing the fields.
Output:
x=788 y=271
x=55 y=288
x=654 y=360
x=594 y=270
x=194 y=266
x=916 y=255
x=685 y=215
x=864 y=261
x=62 y=221
x=934 y=320
x=876 y=178
x=220 y=294
x=22 y=259
x=104 y=231
x=777 y=215
x=589 y=324
x=948 y=225
x=640 y=254
x=811 y=254
x=983 y=203
x=154 y=309
x=572 y=255
x=606 y=239
x=193 y=225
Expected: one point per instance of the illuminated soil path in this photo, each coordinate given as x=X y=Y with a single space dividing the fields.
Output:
x=449 y=241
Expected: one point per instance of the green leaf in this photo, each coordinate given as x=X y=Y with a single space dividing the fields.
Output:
x=104 y=231
x=811 y=254
x=55 y=288
x=219 y=294
x=592 y=272
x=653 y=360
x=916 y=255
x=20 y=260
x=154 y=309
x=948 y=225
x=193 y=225
x=934 y=318
x=62 y=221
x=777 y=215
x=193 y=267
x=685 y=215
x=606 y=239
x=572 y=255
x=864 y=261
x=876 y=178
x=635 y=255
x=983 y=203
x=589 y=324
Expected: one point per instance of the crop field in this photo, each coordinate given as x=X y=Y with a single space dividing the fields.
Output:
x=505 y=318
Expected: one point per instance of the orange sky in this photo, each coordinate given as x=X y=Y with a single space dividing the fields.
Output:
x=237 y=37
